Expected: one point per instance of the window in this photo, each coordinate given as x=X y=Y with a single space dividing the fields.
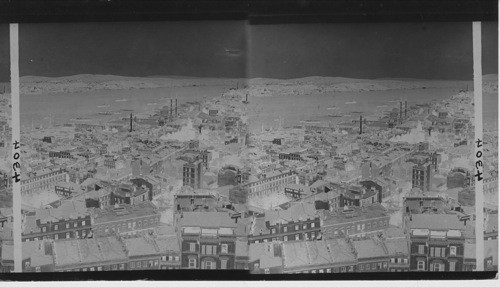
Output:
x=68 y=235
x=452 y=265
x=139 y=264
x=313 y=271
x=405 y=261
x=132 y=265
x=75 y=224
x=56 y=227
x=285 y=238
x=192 y=247
x=374 y=266
x=321 y=271
x=420 y=266
x=297 y=227
x=312 y=225
x=44 y=229
x=361 y=267
x=56 y=237
x=150 y=263
x=384 y=265
x=304 y=226
x=453 y=250
x=209 y=265
x=285 y=229
x=421 y=249
x=176 y=258
x=114 y=267
x=343 y=269
x=273 y=231
x=329 y=270
x=297 y=237
x=67 y=225
x=122 y=266
x=224 y=248
x=83 y=223
x=223 y=263
x=313 y=235
x=155 y=264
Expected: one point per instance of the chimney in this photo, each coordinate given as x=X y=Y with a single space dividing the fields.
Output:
x=400 y=112
x=406 y=107
x=171 y=108
x=176 y=107
x=130 y=122
x=360 y=124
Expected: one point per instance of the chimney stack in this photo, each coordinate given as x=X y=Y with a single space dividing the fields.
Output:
x=400 y=112
x=130 y=122
x=360 y=124
x=171 y=108
x=406 y=107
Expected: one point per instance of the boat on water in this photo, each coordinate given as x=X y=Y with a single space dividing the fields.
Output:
x=121 y=100
x=351 y=102
x=102 y=106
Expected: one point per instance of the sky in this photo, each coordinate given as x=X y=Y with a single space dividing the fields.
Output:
x=233 y=49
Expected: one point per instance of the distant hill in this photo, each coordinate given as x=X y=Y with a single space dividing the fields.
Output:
x=260 y=86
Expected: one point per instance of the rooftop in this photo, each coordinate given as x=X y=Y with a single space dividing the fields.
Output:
x=357 y=214
x=207 y=219
x=369 y=248
x=86 y=251
x=436 y=222
x=124 y=212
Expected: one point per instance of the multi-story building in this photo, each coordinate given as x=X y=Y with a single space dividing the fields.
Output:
x=421 y=176
x=270 y=183
x=128 y=193
x=298 y=222
x=96 y=254
x=297 y=191
x=372 y=255
x=354 y=221
x=37 y=256
x=359 y=196
x=208 y=240
x=125 y=219
x=152 y=253
x=265 y=258
x=192 y=174
x=42 y=180
x=326 y=256
x=67 y=189
x=436 y=242
x=152 y=184
x=70 y=220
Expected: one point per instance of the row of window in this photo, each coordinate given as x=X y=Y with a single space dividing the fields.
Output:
x=353 y=229
x=436 y=267
x=68 y=225
x=210 y=249
x=67 y=235
x=306 y=236
x=170 y=258
x=342 y=269
x=372 y=266
x=143 y=264
x=128 y=226
x=207 y=264
x=297 y=227
x=438 y=251
x=399 y=260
